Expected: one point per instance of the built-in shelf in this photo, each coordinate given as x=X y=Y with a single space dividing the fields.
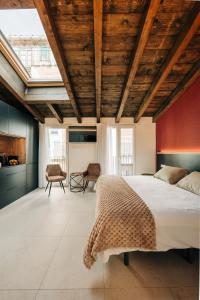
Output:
x=13 y=146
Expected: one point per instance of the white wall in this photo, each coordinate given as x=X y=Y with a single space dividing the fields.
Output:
x=145 y=143
x=145 y=146
x=80 y=155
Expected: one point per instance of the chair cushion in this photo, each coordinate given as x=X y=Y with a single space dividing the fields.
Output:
x=91 y=177
x=55 y=178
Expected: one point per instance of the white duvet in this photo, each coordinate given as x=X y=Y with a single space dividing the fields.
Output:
x=176 y=213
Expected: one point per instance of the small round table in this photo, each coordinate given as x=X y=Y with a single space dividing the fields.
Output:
x=76 y=182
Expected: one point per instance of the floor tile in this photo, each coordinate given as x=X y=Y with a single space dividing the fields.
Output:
x=80 y=224
x=142 y=272
x=150 y=270
x=24 y=261
x=185 y=293
x=57 y=295
x=33 y=224
x=78 y=294
x=67 y=269
x=138 y=294
x=17 y=295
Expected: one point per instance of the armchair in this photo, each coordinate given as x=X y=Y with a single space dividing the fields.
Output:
x=91 y=174
x=54 y=173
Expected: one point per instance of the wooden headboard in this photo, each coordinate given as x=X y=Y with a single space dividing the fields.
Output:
x=189 y=161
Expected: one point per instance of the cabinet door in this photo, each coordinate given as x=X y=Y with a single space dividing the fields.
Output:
x=31 y=177
x=14 y=187
x=32 y=141
x=17 y=122
x=3 y=117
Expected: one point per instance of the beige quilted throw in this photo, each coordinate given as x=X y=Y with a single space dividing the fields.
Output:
x=123 y=220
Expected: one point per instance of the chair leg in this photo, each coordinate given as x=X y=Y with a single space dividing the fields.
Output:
x=86 y=185
x=47 y=186
x=61 y=183
x=50 y=189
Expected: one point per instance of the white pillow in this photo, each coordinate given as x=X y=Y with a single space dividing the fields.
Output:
x=171 y=174
x=191 y=183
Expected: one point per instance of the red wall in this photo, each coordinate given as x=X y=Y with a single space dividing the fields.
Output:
x=178 y=129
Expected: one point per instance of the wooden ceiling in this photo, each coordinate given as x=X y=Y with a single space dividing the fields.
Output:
x=119 y=58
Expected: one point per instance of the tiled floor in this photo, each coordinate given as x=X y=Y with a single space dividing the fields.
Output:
x=41 y=248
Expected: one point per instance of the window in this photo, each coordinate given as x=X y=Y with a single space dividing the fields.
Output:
x=126 y=151
x=57 y=147
x=45 y=55
x=120 y=150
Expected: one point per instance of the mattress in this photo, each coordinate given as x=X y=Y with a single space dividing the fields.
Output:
x=176 y=213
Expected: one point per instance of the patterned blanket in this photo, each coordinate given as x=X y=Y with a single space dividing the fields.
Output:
x=123 y=220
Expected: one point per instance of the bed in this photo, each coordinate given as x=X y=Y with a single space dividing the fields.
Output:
x=176 y=213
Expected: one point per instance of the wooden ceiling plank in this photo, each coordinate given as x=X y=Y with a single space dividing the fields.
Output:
x=193 y=74
x=98 y=11
x=49 y=27
x=10 y=79
x=189 y=29
x=138 y=52
x=57 y=114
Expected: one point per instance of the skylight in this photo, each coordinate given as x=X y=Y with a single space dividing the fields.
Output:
x=25 y=34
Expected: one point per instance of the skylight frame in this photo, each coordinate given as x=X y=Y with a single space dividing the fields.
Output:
x=17 y=65
x=9 y=51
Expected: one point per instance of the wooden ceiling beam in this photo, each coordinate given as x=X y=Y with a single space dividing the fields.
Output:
x=51 y=32
x=55 y=111
x=11 y=80
x=16 y=4
x=50 y=95
x=98 y=9
x=193 y=74
x=184 y=37
x=138 y=52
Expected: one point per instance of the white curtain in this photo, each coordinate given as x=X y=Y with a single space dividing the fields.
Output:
x=106 y=149
x=43 y=154
x=51 y=150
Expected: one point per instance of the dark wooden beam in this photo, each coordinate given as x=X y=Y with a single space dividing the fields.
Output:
x=138 y=52
x=184 y=37
x=51 y=32
x=11 y=80
x=193 y=74
x=55 y=111
x=98 y=8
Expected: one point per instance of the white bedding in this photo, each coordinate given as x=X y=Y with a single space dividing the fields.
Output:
x=176 y=213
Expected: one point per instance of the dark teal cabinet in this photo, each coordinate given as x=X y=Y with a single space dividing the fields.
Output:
x=31 y=177
x=32 y=141
x=3 y=117
x=12 y=184
x=17 y=122
x=16 y=181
